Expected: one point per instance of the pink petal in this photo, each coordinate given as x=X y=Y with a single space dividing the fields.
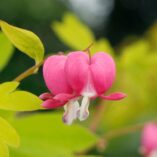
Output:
x=103 y=71
x=49 y=104
x=76 y=69
x=46 y=96
x=64 y=97
x=114 y=96
x=54 y=74
x=149 y=138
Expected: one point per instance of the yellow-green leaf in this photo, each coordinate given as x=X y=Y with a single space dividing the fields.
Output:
x=4 y=152
x=73 y=32
x=135 y=53
x=78 y=36
x=6 y=50
x=8 y=87
x=102 y=45
x=8 y=134
x=46 y=135
x=26 y=41
x=17 y=100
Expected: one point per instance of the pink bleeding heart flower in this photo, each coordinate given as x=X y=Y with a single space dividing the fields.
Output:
x=78 y=75
x=149 y=140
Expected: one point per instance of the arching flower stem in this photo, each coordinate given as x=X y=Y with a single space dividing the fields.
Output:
x=87 y=50
x=28 y=72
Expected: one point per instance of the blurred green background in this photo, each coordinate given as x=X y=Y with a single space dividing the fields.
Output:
x=114 y=20
x=129 y=26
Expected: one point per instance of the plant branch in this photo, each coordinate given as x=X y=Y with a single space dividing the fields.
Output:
x=87 y=50
x=28 y=72
x=123 y=131
x=104 y=139
x=97 y=117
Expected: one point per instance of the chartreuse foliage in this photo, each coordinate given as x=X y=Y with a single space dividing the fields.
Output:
x=6 y=51
x=78 y=36
x=4 y=150
x=39 y=133
x=11 y=98
x=8 y=136
x=50 y=137
x=26 y=41
x=17 y=100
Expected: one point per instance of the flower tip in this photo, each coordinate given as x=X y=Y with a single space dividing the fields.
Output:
x=122 y=95
x=83 y=116
x=71 y=112
x=46 y=104
x=114 y=96
x=45 y=96
x=84 y=112
x=42 y=97
x=65 y=120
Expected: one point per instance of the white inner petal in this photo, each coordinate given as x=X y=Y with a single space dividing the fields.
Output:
x=84 y=113
x=89 y=88
x=153 y=153
x=71 y=112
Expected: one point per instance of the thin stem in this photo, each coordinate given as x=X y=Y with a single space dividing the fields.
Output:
x=123 y=131
x=103 y=140
x=88 y=50
x=31 y=70
x=28 y=72
x=97 y=117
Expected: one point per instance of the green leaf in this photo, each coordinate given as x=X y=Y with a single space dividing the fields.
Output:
x=135 y=53
x=78 y=36
x=46 y=135
x=6 y=51
x=73 y=32
x=17 y=100
x=102 y=45
x=4 y=152
x=26 y=41
x=8 y=135
x=8 y=87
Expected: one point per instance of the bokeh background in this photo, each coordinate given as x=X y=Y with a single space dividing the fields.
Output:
x=130 y=28
x=113 y=19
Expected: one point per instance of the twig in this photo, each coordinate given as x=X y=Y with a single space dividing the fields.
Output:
x=31 y=70
x=28 y=72
x=123 y=131
x=87 y=50
x=97 y=117
x=88 y=47
x=103 y=140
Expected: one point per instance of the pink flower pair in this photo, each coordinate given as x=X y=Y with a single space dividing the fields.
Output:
x=78 y=76
x=149 y=140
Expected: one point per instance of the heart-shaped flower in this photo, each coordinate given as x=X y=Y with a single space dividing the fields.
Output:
x=76 y=76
